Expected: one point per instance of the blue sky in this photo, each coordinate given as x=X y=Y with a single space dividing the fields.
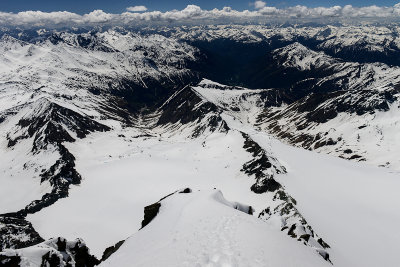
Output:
x=118 y=6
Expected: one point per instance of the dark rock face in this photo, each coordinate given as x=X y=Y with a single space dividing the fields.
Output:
x=293 y=223
x=55 y=252
x=82 y=256
x=136 y=97
x=261 y=167
x=185 y=107
x=150 y=212
x=47 y=126
x=110 y=250
x=10 y=261
x=51 y=259
x=185 y=191
x=186 y=100
x=17 y=233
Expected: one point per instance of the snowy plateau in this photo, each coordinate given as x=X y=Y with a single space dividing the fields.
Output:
x=222 y=145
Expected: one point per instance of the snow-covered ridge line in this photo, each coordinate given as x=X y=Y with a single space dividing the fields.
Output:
x=209 y=223
x=282 y=206
x=346 y=75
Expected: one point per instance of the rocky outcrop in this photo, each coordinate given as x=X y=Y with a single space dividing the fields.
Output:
x=55 y=252
x=293 y=223
x=17 y=233
x=262 y=166
x=188 y=109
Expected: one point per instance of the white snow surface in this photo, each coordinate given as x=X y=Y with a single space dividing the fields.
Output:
x=203 y=229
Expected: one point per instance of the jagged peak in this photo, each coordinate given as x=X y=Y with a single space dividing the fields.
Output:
x=296 y=48
x=8 y=38
x=8 y=43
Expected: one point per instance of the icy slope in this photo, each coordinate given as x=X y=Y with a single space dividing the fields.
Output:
x=203 y=229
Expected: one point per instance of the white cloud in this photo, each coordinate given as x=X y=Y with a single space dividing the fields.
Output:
x=268 y=10
x=259 y=4
x=194 y=14
x=136 y=8
x=97 y=16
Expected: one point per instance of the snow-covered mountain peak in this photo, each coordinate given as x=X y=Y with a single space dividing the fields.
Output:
x=8 y=43
x=303 y=58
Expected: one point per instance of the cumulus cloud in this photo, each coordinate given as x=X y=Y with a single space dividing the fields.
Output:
x=259 y=4
x=97 y=16
x=136 y=8
x=195 y=15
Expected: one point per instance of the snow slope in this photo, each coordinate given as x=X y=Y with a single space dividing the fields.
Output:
x=123 y=175
x=353 y=205
x=203 y=229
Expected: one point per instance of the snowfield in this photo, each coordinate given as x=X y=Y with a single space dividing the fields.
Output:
x=122 y=177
